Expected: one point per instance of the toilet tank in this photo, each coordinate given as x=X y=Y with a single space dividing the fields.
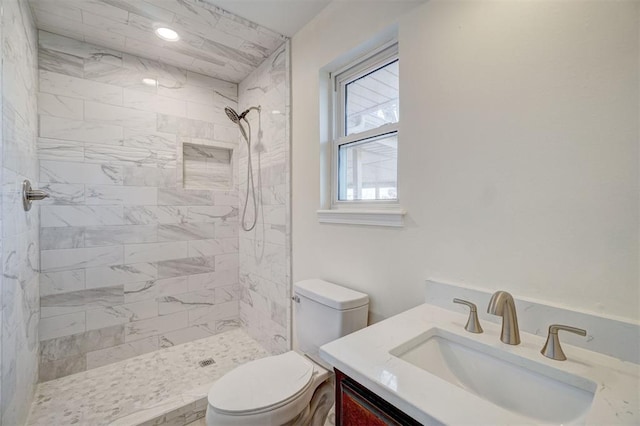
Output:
x=325 y=312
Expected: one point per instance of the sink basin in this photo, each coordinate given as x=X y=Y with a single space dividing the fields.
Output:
x=535 y=390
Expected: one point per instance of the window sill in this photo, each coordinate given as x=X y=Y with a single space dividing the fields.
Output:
x=390 y=217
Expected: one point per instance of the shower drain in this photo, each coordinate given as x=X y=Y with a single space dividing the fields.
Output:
x=206 y=362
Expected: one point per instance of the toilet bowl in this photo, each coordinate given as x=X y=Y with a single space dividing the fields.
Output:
x=269 y=391
x=294 y=388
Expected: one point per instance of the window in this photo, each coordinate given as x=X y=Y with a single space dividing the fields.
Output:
x=366 y=117
x=360 y=177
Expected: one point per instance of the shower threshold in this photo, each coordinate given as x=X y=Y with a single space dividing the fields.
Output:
x=165 y=387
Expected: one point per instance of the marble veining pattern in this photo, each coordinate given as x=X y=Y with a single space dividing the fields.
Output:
x=19 y=293
x=265 y=252
x=131 y=260
x=157 y=387
x=212 y=41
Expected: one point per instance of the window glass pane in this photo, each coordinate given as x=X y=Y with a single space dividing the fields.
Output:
x=368 y=170
x=372 y=100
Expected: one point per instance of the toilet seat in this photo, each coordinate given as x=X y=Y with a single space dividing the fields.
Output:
x=262 y=385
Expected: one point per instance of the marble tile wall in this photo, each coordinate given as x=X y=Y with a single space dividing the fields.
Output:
x=131 y=261
x=19 y=297
x=265 y=252
x=212 y=41
x=207 y=166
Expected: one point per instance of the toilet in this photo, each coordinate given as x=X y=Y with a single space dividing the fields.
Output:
x=296 y=387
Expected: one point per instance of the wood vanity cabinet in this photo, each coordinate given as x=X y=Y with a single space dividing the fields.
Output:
x=358 y=406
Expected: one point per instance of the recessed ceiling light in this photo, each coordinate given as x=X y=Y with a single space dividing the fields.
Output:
x=167 y=34
x=150 y=81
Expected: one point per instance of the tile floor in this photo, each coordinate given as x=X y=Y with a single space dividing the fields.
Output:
x=163 y=387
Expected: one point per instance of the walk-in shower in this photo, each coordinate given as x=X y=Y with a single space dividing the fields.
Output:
x=137 y=250
x=251 y=188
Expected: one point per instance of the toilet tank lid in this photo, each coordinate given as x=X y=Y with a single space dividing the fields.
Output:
x=329 y=294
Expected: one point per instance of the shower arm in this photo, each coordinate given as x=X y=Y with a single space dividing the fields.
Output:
x=244 y=114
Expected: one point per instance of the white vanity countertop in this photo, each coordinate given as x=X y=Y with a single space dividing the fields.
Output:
x=365 y=357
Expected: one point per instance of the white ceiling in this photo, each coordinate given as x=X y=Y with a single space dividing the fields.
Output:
x=213 y=41
x=283 y=16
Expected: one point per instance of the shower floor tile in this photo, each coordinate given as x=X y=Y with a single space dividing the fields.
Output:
x=166 y=386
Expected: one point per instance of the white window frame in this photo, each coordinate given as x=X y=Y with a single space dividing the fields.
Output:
x=377 y=59
x=362 y=212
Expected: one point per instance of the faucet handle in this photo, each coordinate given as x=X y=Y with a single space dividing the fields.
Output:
x=552 y=348
x=473 y=324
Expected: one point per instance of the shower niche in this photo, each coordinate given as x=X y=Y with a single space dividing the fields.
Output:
x=206 y=166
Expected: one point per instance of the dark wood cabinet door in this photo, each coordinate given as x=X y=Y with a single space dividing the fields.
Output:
x=358 y=406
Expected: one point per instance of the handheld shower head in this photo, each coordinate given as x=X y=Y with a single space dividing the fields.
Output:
x=233 y=115
x=246 y=134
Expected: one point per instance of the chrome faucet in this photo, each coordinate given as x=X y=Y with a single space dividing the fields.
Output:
x=502 y=304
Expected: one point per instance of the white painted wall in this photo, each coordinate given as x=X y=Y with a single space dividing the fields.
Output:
x=518 y=153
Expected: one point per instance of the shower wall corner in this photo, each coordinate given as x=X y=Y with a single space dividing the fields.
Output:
x=265 y=251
